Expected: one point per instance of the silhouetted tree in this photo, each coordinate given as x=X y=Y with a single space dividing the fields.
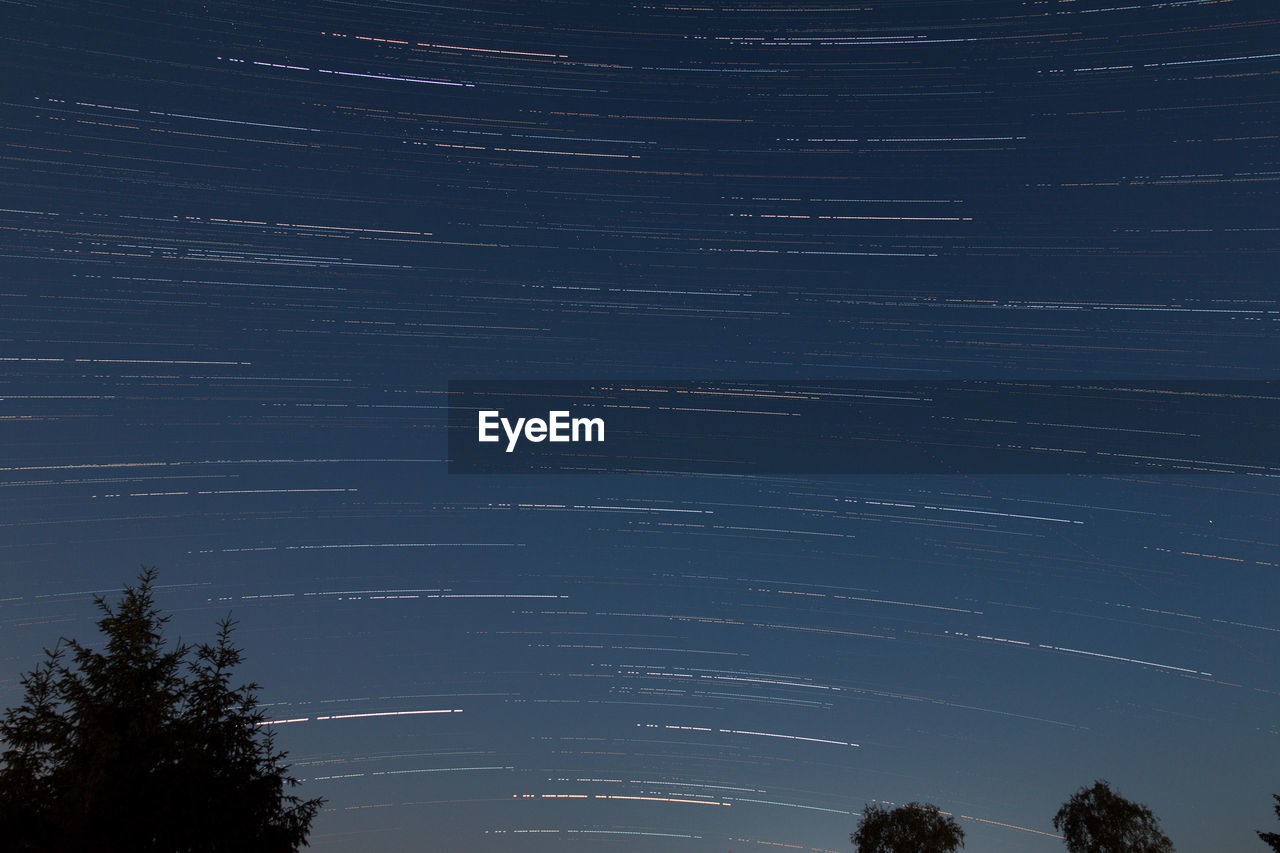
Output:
x=1098 y=820
x=137 y=748
x=1272 y=839
x=913 y=828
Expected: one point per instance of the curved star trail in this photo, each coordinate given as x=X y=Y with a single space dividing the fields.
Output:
x=244 y=247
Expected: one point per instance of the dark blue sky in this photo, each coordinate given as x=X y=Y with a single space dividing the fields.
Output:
x=244 y=247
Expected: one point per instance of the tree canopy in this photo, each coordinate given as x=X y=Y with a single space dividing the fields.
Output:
x=140 y=747
x=1272 y=839
x=1099 y=820
x=913 y=828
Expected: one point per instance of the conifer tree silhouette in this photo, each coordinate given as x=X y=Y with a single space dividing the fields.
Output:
x=144 y=748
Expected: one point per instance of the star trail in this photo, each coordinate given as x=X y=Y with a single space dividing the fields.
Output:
x=246 y=247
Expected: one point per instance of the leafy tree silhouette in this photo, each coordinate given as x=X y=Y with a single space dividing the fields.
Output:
x=139 y=748
x=913 y=828
x=1272 y=839
x=1098 y=820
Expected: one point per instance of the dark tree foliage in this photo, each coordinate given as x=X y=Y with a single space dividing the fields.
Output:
x=140 y=748
x=913 y=828
x=1098 y=820
x=1272 y=839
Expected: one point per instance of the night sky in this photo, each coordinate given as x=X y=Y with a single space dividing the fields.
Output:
x=244 y=248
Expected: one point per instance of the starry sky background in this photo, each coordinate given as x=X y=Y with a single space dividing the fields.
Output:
x=245 y=246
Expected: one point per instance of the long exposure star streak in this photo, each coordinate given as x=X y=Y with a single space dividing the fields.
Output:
x=246 y=247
